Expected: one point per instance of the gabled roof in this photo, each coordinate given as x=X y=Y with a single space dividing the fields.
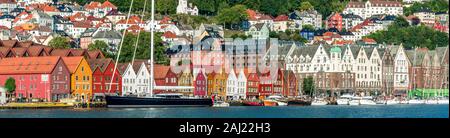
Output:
x=72 y=63
x=101 y=64
x=161 y=71
x=28 y=65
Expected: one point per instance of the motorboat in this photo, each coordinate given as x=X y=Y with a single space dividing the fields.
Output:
x=221 y=104
x=344 y=99
x=367 y=100
x=392 y=102
x=431 y=101
x=416 y=101
x=442 y=100
x=355 y=101
x=274 y=100
x=319 y=101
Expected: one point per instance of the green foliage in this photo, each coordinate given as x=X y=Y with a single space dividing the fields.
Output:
x=400 y=22
x=232 y=16
x=288 y=35
x=308 y=85
x=59 y=42
x=194 y=21
x=10 y=85
x=304 y=6
x=309 y=27
x=433 y=5
x=102 y=46
x=143 y=49
x=165 y=7
x=411 y=36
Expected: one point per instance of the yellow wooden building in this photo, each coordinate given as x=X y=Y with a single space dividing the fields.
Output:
x=80 y=77
x=217 y=84
x=186 y=79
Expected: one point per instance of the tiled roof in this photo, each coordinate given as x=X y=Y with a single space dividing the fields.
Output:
x=161 y=71
x=72 y=63
x=281 y=18
x=28 y=65
x=169 y=34
x=99 y=63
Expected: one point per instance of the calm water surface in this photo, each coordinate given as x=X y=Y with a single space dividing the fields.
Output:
x=377 y=111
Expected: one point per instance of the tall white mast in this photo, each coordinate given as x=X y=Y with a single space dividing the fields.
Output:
x=152 y=30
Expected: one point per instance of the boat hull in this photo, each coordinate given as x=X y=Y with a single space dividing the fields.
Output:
x=298 y=103
x=121 y=102
x=270 y=103
x=252 y=104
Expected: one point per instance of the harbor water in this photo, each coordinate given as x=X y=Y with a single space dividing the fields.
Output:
x=377 y=111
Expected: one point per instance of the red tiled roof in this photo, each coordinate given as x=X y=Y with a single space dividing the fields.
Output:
x=72 y=63
x=369 y=40
x=108 y=4
x=78 y=15
x=169 y=34
x=8 y=43
x=161 y=71
x=81 y=24
x=19 y=51
x=281 y=18
x=28 y=65
x=60 y=52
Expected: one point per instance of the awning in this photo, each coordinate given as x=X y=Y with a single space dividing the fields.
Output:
x=428 y=92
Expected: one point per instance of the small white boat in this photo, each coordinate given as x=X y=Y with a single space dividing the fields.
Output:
x=404 y=101
x=416 y=101
x=392 y=102
x=282 y=104
x=274 y=100
x=431 y=101
x=380 y=102
x=443 y=101
x=319 y=102
x=344 y=99
x=354 y=102
x=367 y=100
x=221 y=104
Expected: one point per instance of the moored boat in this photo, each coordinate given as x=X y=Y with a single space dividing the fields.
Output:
x=274 y=100
x=416 y=101
x=344 y=99
x=367 y=100
x=250 y=103
x=319 y=101
x=392 y=102
x=431 y=101
x=221 y=104
x=159 y=100
x=298 y=102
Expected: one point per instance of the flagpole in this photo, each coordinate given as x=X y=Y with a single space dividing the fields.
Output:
x=152 y=30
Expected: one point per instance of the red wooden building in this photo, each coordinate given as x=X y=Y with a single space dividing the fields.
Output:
x=102 y=72
x=200 y=85
x=252 y=85
x=290 y=84
x=44 y=78
x=164 y=76
x=334 y=21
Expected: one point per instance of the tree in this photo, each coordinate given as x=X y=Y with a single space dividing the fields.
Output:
x=10 y=85
x=232 y=16
x=304 y=6
x=308 y=27
x=401 y=22
x=308 y=85
x=102 y=46
x=59 y=42
x=143 y=49
x=164 y=7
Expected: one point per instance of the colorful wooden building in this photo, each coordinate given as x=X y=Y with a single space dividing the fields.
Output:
x=186 y=79
x=252 y=85
x=45 y=78
x=200 y=86
x=164 y=76
x=81 y=77
x=217 y=84
x=101 y=77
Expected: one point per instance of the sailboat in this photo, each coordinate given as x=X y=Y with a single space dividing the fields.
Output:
x=318 y=101
x=159 y=100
